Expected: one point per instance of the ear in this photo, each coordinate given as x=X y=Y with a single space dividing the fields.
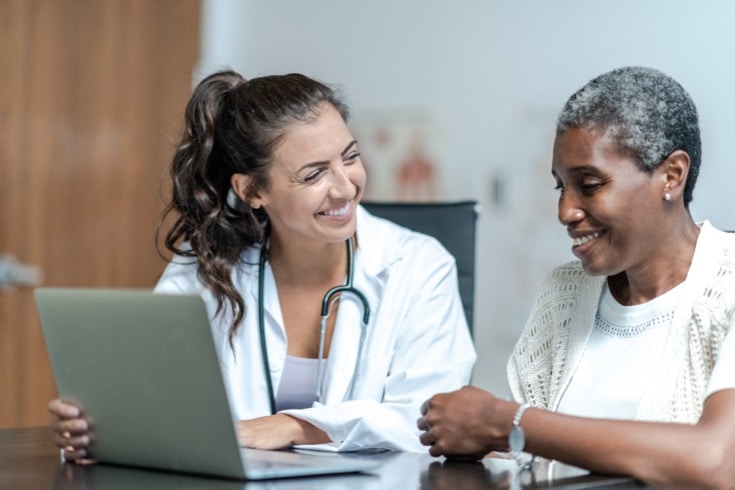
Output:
x=675 y=170
x=242 y=185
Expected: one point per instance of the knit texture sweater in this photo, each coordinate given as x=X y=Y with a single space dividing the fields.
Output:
x=551 y=345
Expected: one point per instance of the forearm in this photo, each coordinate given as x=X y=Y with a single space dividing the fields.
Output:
x=306 y=433
x=657 y=453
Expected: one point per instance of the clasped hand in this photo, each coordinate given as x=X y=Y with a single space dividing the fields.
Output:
x=465 y=424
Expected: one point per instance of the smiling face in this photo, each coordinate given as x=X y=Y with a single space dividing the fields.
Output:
x=610 y=207
x=316 y=182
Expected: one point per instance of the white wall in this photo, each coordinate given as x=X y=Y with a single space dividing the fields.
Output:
x=498 y=72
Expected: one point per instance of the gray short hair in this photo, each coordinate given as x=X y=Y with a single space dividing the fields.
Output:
x=647 y=114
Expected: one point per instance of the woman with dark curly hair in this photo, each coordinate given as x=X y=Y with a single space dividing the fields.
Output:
x=267 y=181
x=627 y=362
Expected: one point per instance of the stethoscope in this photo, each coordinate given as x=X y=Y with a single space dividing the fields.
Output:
x=329 y=298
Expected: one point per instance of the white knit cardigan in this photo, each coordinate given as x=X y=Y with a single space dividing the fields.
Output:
x=551 y=345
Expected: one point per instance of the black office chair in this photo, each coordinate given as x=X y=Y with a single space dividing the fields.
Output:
x=453 y=224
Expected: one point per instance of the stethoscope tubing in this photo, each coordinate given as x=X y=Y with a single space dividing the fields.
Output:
x=261 y=326
x=326 y=306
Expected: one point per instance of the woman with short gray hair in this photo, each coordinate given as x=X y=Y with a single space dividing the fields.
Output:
x=627 y=361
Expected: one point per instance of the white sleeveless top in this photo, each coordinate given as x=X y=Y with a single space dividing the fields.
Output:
x=298 y=383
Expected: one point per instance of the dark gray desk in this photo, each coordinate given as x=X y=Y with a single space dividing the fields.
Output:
x=28 y=460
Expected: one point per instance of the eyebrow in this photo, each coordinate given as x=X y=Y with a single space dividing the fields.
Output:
x=578 y=169
x=324 y=162
x=348 y=148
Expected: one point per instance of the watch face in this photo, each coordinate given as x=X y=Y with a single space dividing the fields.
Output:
x=516 y=439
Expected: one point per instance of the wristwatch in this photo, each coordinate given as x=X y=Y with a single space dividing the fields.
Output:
x=516 y=438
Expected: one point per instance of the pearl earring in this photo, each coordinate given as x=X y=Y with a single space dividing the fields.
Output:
x=667 y=196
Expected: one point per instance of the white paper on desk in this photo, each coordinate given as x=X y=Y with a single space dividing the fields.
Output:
x=331 y=447
x=339 y=447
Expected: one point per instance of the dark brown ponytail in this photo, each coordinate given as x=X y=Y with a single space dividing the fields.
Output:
x=231 y=126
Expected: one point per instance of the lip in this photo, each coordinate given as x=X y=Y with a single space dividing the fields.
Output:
x=584 y=241
x=338 y=213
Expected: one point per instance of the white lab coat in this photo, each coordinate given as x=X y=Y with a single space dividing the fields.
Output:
x=417 y=341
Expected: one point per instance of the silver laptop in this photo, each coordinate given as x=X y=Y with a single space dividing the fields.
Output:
x=145 y=369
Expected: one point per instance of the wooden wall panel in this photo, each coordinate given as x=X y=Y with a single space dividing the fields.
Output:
x=91 y=97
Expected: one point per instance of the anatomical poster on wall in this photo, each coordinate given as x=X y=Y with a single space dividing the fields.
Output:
x=402 y=152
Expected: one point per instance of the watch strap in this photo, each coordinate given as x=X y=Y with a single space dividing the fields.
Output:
x=516 y=438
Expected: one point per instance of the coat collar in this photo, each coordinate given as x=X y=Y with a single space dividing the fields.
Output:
x=378 y=251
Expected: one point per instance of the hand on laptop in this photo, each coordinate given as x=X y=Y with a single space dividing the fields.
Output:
x=71 y=430
x=278 y=431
